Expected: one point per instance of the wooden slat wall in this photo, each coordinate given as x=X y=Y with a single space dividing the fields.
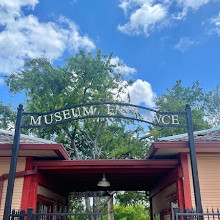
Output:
x=160 y=200
x=209 y=178
x=17 y=195
x=41 y=190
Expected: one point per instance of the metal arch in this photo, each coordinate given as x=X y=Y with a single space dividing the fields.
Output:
x=103 y=103
x=103 y=115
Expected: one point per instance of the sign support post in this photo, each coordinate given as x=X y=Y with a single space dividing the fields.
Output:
x=13 y=165
x=193 y=160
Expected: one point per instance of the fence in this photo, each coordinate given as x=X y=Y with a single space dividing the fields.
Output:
x=193 y=215
x=30 y=215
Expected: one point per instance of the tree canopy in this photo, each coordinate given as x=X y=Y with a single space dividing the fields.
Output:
x=7 y=117
x=175 y=100
x=84 y=78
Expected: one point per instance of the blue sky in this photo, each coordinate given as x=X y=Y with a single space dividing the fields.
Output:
x=158 y=42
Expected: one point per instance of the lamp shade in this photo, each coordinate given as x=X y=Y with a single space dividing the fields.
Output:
x=103 y=182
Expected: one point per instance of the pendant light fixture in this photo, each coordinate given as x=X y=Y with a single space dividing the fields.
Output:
x=103 y=182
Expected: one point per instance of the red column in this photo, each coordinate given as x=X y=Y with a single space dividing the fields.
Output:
x=180 y=190
x=183 y=184
x=33 y=194
x=29 y=194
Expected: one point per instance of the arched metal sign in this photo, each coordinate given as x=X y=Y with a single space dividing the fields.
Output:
x=101 y=110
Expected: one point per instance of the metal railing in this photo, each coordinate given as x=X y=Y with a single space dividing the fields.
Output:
x=208 y=214
x=30 y=215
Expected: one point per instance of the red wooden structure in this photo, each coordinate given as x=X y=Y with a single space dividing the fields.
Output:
x=45 y=174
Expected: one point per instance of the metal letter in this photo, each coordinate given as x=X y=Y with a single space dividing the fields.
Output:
x=73 y=113
x=158 y=119
x=51 y=119
x=175 y=120
x=110 y=110
x=66 y=114
x=33 y=121
x=57 y=116
x=90 y=112
x=163 y=119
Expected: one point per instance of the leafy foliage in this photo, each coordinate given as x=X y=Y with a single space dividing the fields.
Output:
x=7 y=117
x=212 y=103
x=132 y=197
x=84 y=78
x=130 y=212
x=175 y=100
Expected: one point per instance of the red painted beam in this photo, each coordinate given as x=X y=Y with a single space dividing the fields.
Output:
x=19 y=174
x=114 y=163
x=109 y=169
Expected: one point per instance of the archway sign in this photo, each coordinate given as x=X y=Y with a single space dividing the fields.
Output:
x=101 y=110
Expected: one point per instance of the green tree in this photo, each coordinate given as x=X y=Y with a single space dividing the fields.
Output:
x=132 y=197
x=7 y=117
x=212 y=103
x=175 y=100
x=130 y=212
x=84 y=78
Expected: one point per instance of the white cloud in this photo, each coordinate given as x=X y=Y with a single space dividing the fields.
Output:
x=216 y=22
x=140 y=92
x=122 y=67
x=142 y=19
x=146 y=16
x=74 y=40
x=24 y=36
x=194 y=4
x=184 y=43
x=185 y=5
x=10 y=9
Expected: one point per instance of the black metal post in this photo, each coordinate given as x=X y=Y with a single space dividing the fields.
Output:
x=13 y=165
x=30 y=213
x=193 y=160
x=175 y=212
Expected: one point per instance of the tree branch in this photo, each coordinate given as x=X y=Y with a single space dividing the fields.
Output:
x=106 y=202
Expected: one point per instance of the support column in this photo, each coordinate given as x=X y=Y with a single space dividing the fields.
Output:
x=29 y=194
x=33 y=194
x=185 y=181
x=13 y=164
x=151 y=209
x=180 y=194
x=193 y=160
